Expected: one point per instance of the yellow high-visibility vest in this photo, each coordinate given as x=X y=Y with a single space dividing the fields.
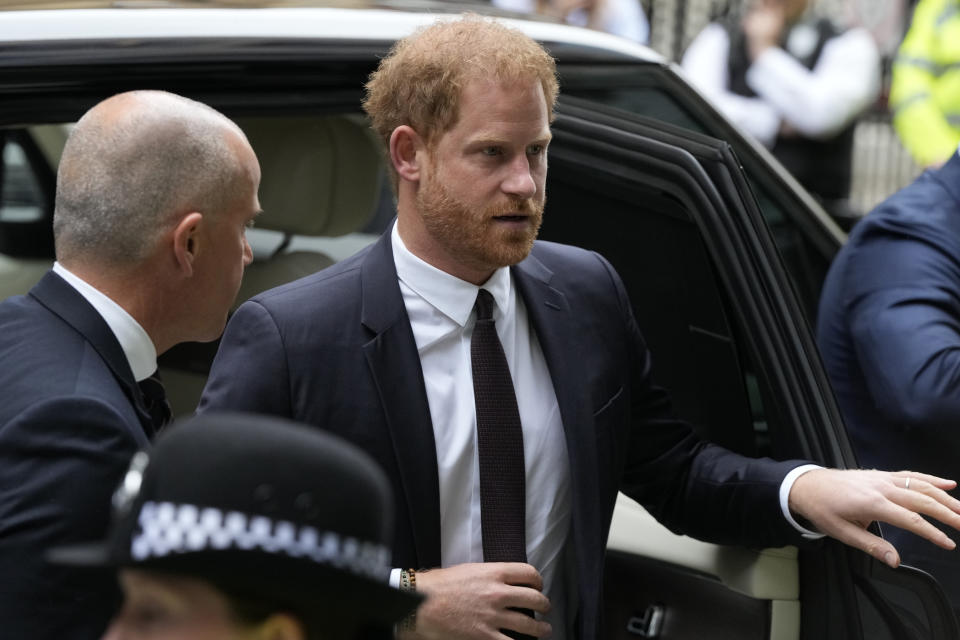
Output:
x=925 y=94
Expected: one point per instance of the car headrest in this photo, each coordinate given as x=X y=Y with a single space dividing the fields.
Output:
x=321 y=174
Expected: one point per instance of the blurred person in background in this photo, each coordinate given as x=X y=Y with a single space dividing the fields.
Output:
x=624 y=18
x=925 y=92
x=796 y=83
x=244 y=527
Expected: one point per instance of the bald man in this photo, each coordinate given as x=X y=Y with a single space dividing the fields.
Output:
x=154 y=194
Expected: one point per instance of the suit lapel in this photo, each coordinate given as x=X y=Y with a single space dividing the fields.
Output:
x=395 y=366
x=63 y=300
x=556 y=330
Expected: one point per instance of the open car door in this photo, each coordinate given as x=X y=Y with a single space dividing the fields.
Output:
x=673 y=212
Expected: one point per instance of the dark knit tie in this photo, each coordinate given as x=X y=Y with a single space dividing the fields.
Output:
x=155 y=401
x=499 y=446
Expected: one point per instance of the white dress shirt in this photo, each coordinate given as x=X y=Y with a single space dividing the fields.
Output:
x=818 y=103
x=136 y=344
x=440 y=308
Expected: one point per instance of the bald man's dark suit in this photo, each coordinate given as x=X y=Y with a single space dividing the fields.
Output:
x=335 y=349
x=70 y=419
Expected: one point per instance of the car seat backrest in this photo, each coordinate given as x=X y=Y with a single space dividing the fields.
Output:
x=321 y=177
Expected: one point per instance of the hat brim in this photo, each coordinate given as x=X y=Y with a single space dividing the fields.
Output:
x=326 y=590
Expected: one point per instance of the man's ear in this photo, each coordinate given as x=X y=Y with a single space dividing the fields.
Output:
x=281 y=626
x=407 y=151
x=186 y=242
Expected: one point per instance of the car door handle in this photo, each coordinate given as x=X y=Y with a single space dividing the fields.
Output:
x=649 y=624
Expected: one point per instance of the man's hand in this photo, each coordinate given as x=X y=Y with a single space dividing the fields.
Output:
x=842 y=504
x=763 y=25
x=474 y=601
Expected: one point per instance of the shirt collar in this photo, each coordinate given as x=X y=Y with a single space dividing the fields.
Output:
x=450 y=295
x=136 y=344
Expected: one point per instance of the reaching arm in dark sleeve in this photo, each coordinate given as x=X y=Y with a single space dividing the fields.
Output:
x=691 y=486
x=907 y=340
x=60 y=462
x=250 y=371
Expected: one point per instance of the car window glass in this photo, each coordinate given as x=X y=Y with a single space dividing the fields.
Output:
x=677 y=298
x=21 y=198
x=27 y=184
x=652 y=91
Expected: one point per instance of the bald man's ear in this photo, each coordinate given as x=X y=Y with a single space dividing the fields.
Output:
x=186 y=242
x=407 y=152
x=281 y=626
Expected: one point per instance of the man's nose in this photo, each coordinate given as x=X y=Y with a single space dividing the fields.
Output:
x=520 y=182
x=114 y=631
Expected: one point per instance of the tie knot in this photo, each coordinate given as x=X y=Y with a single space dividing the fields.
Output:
x=152 y=386
x=155 y=401
x=484 y=305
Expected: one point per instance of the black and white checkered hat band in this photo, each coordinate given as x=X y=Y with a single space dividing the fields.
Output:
x=167 y=528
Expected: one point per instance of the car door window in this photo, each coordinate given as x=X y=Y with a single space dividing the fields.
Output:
x=27 y=184
x=21 y=198
x=807 y=239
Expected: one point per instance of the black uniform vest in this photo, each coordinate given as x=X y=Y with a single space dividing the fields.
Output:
x=822 y=166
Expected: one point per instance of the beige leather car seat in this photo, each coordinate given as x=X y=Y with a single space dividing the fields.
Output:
x=321 y=177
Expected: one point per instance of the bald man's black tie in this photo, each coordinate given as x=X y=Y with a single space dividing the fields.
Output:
x=155 y=401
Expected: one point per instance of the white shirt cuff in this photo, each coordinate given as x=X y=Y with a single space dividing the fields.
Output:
x=785 y=488
x=395 y=578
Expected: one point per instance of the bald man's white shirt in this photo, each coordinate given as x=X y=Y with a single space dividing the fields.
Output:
x=137 y=346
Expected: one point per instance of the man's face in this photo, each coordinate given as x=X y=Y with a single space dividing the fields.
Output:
x=792 y=9
x=481 y=190
x=167 y=607
x=225 y=250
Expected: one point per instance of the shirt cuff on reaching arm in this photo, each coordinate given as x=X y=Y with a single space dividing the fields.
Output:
x=785 y=488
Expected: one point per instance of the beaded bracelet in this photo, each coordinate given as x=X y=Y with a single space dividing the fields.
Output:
x=408 y=582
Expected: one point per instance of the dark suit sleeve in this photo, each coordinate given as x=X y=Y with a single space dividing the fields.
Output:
x=904 y=318
x=250 y=371
x=60 y=462
x=691 y=486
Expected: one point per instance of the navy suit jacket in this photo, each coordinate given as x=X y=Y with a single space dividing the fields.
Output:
x=336 y=350
x=69 y=423
x=889 y=331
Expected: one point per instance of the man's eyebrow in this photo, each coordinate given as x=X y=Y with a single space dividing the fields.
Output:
x=500 y=142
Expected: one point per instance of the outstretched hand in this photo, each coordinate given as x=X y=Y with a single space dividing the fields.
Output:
x=475 y=600
x=842 y=504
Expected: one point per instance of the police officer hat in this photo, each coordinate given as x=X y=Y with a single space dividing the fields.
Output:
x=261 y=507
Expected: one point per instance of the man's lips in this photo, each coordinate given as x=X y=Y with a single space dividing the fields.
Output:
x=512 y=217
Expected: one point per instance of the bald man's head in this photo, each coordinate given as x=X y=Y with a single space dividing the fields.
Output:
x=133 y=166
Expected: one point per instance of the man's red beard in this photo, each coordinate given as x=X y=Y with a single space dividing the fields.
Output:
x=476 y=238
